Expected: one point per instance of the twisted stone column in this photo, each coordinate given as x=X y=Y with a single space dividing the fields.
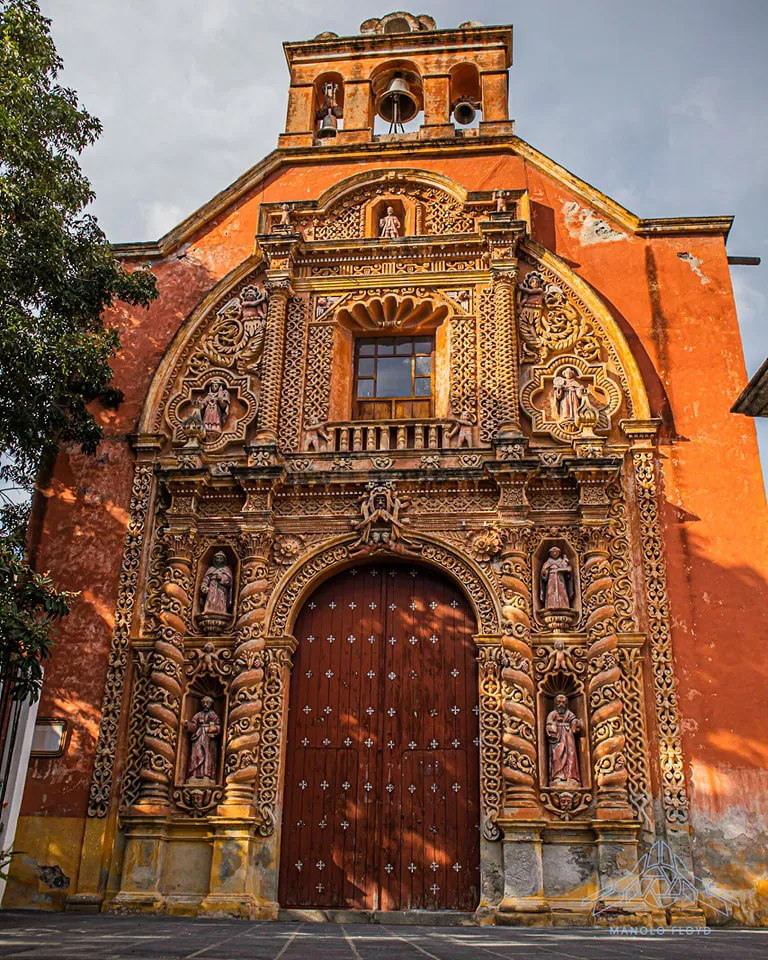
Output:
x=507 y=351
x=167 y=662
x=604 y=690
x=246 y=691
x=519 y=766
x=272 y=362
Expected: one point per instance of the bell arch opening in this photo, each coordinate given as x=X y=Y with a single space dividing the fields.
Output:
x=381 y=803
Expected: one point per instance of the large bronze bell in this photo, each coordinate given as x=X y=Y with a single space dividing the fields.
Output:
x=397 y=104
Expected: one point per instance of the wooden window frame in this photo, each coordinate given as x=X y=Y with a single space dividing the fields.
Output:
x=413 y=398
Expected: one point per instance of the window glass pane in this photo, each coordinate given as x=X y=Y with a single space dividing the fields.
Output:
x=366 y=349
x=423 y=387
x=423 y=366
x=365 y=367
x=423 y=346
x=365 y=388
x=394 y=377
x=405 y=346
x=385 y=347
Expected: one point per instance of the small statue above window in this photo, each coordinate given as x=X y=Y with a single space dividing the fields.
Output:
x=389 y=225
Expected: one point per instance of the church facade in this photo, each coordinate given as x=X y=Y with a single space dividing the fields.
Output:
x=423 y=565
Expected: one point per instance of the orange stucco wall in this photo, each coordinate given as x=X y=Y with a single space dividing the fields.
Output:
x=679 y=317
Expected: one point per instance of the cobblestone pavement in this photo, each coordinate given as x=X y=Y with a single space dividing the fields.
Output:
x=57 y=936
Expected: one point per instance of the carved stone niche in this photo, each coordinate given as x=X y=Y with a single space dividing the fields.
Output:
x=564 y=756
x=224 y=403
x=216 y=590
x=200 y=753
x=570 y=399
x=404 y=208
x=557 y=585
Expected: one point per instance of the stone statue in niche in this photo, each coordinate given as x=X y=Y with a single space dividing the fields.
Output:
x=461 y=429
x=216 y=587
x=556 y=581
x=215 y=407
x=389 y=225
x=204 y=729
x=314 y=433
x=566 y=396
x=562 y=727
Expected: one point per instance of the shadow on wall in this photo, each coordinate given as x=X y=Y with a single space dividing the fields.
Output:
x=721 y=669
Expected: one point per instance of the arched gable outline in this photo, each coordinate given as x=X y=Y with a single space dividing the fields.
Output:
x=186 y=333
x=426 y=178
x=610 y=330
x=334 y=557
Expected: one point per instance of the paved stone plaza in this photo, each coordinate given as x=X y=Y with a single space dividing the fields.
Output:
x=56 y=937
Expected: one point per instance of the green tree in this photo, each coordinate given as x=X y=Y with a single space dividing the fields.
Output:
x=58 y=273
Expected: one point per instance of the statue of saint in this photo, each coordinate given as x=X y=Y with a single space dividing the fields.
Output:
x=556 y=581
x=215 y=406
x=567 y=395
x=204 y=727
x=562 y=728
x=389 y=226
x=216 y=587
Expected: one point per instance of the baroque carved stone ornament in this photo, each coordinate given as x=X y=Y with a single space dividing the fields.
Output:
x=380 y=524
x=568 y=398
x=224 y=403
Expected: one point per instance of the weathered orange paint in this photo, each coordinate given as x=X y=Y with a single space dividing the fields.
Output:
x=679 y=317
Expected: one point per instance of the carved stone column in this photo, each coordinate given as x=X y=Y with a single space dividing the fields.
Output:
x=146 y=822
x=502 y=235
x=234 y=886
x=167 y=661
x=507 y=351
x=519 y=767
x=674 y=795
x=279 y=251
x=272 y=364
x=605 y=683
x=246 y=691
x=523 y=900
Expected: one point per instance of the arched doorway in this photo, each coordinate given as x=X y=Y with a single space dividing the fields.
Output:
x=381 y=805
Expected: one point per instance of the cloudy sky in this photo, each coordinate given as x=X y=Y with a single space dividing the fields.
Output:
x=661 y=104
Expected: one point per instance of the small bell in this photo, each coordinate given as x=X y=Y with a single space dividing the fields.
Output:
x=464 y=111
x=328 y=126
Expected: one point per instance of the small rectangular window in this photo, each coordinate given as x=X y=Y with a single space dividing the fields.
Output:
x=393 y=372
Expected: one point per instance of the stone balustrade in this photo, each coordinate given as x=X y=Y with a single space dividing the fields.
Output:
x=381 y=435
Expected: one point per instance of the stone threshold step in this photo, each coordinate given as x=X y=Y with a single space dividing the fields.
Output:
x=433 y=918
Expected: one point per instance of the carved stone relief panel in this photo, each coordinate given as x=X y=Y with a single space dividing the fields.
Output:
x=430 y=211
x=573 y=385
x=212 y=393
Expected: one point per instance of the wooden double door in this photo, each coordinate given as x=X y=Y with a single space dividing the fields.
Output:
x=381 y=804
